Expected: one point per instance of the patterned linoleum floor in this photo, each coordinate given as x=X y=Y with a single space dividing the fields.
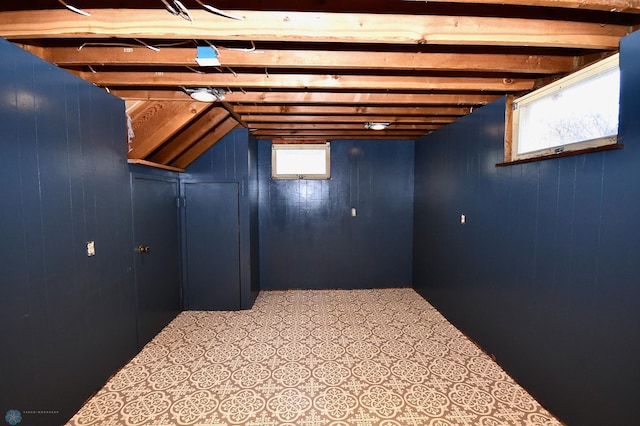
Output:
x=314 y=358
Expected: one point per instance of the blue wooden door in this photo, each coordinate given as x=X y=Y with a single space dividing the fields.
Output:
x=212 y=246
x=157 y=253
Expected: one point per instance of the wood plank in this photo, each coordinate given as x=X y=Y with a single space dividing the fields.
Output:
x=313 y=138
x=340 y=133
x=190 y=136
x=626 y=6
x=205 y=143
x=328 y=98
x=360 y=98
x=158 y=122
x=320 y=27
x=313 y=59
x=131 y=94
x=359 y=118
x=345 y=110
x=154 y=165
x=307 y=81
x=337 y=126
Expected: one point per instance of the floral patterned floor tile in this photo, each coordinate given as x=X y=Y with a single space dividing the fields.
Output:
x=314 y=358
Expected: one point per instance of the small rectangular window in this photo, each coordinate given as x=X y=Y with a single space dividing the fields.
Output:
x=577 y=112
x=300 y=161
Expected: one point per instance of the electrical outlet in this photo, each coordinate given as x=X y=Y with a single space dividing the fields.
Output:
x=91 y=248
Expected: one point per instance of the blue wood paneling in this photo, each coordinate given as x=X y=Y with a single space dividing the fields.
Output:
x=64 y=182
x=232 y=159
x=212 y=246
x=545 y=273
x=308 y=238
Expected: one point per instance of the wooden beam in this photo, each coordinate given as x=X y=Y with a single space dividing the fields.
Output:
x=154 y=165
x=338 y=126
x=130 y=94
x=359 y=118
x=312 y=59
x=328 y=98
x=360 y=98
x=350 y=110
x=205 y=143
x=312 y=27
x=190 y=136
x=307 y=81
x=158 y=122
x=625 y=6
x=339 y=133
x=314 y=138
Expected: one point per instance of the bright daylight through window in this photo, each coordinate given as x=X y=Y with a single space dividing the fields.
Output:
x=577 y=112
x=300 y=161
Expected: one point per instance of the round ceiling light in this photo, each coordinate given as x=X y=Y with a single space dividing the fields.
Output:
x=203 y=95
x=374 y=125
x=206 y=94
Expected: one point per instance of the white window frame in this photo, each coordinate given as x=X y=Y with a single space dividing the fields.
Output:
x=588 y=72
x=300 y=173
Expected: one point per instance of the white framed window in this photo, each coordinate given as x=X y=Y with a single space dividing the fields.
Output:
x=577 y=112
x=301 y=161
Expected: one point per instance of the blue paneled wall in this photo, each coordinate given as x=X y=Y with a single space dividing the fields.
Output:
x=67 y=321
x=545 y=274
x=234 y=159
x=308 y=238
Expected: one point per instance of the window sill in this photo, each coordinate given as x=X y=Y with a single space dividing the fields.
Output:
x=562 y=154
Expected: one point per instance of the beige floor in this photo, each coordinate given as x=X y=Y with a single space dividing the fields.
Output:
x=314 y=358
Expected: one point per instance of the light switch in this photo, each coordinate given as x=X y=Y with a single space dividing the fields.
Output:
x=91 y=248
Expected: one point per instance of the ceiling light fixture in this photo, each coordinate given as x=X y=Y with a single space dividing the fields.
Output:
x=376 y=125
x=73 y=8
x=206 y=94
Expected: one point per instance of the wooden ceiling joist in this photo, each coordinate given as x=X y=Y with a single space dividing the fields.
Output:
x=328 y=98
x=306 y=75
x=408 y=134
x=629 y=6
x=359 y=118
x=366 y=98
x=341 y=126
x=317 y=27
x=309 y=81
x=284 y=110
x=309 y=59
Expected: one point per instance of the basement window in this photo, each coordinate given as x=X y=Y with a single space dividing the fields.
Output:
x=301 y=161
x=576 y=113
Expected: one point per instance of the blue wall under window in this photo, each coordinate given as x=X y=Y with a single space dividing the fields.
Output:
x=545 y=274
x=308 y=238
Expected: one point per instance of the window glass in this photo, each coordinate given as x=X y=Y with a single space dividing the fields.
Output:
x=300 y=161
x=577 y=112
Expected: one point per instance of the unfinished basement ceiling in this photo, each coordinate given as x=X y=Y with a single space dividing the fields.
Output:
x=314 y=70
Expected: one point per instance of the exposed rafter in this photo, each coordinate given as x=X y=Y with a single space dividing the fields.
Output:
x=309 y=75
x=314 y=27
